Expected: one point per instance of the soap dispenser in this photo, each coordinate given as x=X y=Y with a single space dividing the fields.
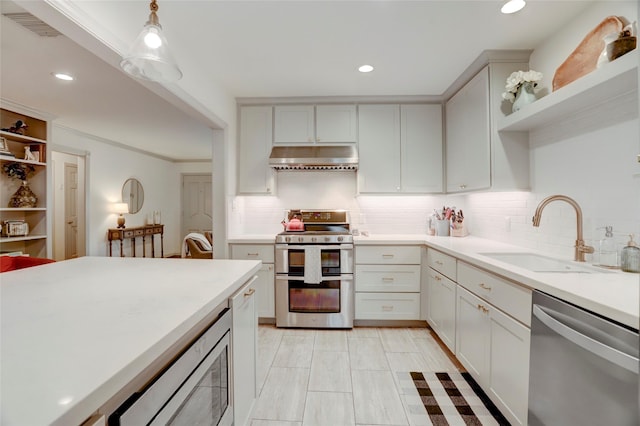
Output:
x=608 y=251
x=631 y=256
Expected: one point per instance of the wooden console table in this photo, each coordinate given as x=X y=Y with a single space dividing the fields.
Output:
x=120 y=234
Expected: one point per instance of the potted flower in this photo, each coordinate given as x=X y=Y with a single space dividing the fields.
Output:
x=23 y=197
x=520 y=87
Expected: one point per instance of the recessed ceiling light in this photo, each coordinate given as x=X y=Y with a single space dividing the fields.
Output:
x=512 y=6
x=63 y=76
x=365 y=68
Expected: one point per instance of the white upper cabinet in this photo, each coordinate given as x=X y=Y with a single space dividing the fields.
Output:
x=294 y=124
x=306 y=124
x=421 y=148
x=477 y=155
x=336 y=124
x=400 y=148
x=379 y=148
x=256 y=131
x=468 y=136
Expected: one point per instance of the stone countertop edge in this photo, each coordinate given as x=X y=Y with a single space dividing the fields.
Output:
x=111 y=317
x=613 y=294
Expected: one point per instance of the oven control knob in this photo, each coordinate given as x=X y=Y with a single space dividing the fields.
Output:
x=300 y=239
x=340 y=238
x=327 y=239
x=314 y=239
x=287 y=239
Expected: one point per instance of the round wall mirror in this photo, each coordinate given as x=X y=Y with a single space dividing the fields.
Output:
x=133 y=194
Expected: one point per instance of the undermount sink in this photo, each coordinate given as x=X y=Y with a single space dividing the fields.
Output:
x=537 y=263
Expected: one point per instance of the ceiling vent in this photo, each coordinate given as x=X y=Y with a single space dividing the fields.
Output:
x=34 y=24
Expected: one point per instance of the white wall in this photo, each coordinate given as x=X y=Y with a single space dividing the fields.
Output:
x=108 y=166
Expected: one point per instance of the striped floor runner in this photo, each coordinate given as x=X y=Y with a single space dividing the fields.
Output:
x=451 y=399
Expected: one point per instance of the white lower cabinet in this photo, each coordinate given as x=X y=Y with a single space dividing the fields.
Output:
x=494 y=348
x=244 y=347
x=387 y=306
x=441 y=310
x=387 y=282
x=265 y=284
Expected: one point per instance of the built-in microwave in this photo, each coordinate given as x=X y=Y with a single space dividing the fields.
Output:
x=193 y=390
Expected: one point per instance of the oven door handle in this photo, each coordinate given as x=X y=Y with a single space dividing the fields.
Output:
x=587 y=343
x=349 y=277
x=322 y=246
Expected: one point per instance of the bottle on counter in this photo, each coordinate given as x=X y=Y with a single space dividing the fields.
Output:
x=608 y=251
x=631 y=256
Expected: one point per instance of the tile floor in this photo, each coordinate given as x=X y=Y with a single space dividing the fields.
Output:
x=340 y=377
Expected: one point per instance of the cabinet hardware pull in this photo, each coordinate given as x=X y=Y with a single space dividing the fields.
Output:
x=437 y=278
x=463 y=186
x=439 y=263
x=484 y=286
x=482 y=308
x=250 y=292
x=252 y=254
x=388 y=256
x=388 y=279
x=387 y=308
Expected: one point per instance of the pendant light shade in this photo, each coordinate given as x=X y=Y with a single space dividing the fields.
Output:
x=149 y=57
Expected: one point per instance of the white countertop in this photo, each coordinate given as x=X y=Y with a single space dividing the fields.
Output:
x=613 y=294
x=74 y=333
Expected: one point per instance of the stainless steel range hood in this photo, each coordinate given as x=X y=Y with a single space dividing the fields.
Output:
x=344 y=157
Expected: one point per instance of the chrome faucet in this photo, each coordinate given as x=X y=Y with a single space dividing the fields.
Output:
x=581 y=247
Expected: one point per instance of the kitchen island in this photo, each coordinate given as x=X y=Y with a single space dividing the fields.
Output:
x=75 y=334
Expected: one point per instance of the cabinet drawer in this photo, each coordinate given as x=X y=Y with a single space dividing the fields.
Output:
x=388 y=306
x=262 y=252
x=511 y=298
x=442 y=263
x=392 y=278
x=138 y=232
x=388 y=255
x=127 y=234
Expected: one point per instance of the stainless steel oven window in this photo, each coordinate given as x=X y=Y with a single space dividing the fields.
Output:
x=314 y=298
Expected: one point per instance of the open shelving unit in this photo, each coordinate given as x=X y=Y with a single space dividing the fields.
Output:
x=35 y=136
x=612 y=83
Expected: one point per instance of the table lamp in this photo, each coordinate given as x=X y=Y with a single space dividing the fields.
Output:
x=121 y=208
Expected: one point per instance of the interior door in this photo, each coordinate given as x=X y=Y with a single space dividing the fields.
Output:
x=70 y=210
x=197 y=203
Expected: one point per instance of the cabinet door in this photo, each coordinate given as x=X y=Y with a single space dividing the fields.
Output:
x=472 y=335
x=379 y=148
x=468 y=136
x=294 y=124
x=442 y=307
x=254 y=173
x=336 y=123
x=421 y=148
x=265 y=290
x=509 y=366
x=244 y=335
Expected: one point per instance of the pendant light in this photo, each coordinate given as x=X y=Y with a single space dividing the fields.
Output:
x=149 y=57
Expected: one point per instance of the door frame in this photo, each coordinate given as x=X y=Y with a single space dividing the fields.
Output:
x=182 y=194
x=83 y=195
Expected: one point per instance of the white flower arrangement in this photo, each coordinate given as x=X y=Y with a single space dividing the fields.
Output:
x=517 y=79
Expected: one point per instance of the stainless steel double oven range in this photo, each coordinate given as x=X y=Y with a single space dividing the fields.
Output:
x=314 y=272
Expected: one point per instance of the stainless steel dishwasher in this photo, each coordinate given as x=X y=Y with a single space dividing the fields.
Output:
x=584 y=368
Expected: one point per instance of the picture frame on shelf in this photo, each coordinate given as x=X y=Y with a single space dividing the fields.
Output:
x=4 y=148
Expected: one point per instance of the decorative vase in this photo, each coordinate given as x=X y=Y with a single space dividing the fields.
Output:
x=23 y=197
x=524 y=95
